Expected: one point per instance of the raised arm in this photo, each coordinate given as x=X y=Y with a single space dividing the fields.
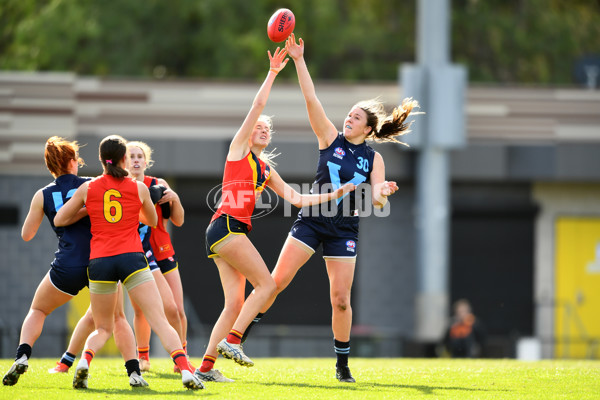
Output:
x=320 y=124
x=239 y=146
x=380 y=188
x=290 y=195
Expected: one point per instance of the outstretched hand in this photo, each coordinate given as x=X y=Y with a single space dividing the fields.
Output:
x=388 y=188
x=295 y=50
x=278 y=60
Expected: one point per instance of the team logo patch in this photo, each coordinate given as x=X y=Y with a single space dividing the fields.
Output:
x=351 y=245
x=339 y=153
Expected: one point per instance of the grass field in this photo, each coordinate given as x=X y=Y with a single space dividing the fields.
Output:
x=313 y=378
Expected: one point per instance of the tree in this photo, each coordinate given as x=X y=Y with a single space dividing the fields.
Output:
x=505 y=41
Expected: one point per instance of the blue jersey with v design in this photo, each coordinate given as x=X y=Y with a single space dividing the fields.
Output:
x=340 y=163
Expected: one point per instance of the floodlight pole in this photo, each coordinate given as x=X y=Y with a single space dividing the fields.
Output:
x=439 y=87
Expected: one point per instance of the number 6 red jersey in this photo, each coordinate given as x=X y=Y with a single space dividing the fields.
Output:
x=113 y=205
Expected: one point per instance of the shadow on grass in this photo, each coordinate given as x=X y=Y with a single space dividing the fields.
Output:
x=146 y=392
x=161 y=375
x=369 y=386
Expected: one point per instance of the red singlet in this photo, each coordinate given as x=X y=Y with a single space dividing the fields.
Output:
x=243 y=182
x=113 y=205
x=160 y=240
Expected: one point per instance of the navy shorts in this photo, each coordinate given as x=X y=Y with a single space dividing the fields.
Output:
x=68 y=279
x=220 y=229
x=339 y=240
x=167 y=265
x=116 y=268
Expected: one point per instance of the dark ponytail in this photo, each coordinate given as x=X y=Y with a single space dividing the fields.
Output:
x=112 y=150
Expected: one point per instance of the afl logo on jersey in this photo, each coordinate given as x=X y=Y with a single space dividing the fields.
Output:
x=351 y=245
x=339 y=153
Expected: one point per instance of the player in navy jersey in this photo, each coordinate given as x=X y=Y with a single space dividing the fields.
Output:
x=68 y=270
x=343 y=157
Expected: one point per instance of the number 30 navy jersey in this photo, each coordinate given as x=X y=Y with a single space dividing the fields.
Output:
x=73 y=240
x=340 y=163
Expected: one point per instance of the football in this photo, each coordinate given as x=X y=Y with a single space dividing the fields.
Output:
x=281 y=25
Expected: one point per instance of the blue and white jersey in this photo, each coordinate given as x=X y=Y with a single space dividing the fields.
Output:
x=340 y=163
x=73 y=240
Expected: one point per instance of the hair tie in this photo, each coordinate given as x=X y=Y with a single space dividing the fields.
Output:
x=109 y=162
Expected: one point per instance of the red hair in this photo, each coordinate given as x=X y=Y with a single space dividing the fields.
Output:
x=58 y=153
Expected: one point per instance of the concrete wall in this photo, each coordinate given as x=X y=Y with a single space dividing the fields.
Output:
x=24 y=264
x=540 y=137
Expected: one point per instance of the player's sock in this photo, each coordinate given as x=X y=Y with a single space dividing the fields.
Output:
x=133 y=365
x=144 y=352
x=234 y=337
x=88 y=354
x=68 y=359
x=23 y=349
x=181 y=360
x=342 y=350
x=255 y=321
x=208 y=362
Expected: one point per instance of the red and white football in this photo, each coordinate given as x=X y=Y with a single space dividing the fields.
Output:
x=281 y=25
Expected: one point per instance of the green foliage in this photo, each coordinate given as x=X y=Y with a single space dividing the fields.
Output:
x=509 y=41
x=314 y=378
x=530 y=41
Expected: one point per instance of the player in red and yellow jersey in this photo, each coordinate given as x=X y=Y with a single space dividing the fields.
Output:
x=247 y=172
x=115 y=205
x=166 y=269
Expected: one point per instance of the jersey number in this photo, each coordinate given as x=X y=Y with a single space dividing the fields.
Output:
x=58 y=200
x=363 y=164
x=113 y=210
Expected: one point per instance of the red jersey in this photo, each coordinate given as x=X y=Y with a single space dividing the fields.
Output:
x=160 y=240
x=243 y=182
x=113 y=205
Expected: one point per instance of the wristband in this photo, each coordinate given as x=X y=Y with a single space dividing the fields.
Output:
x=274 y=71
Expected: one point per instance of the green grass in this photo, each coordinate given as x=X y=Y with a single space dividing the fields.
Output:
x=313 y=378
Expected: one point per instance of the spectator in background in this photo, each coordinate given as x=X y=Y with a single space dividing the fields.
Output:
x=465 y=335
